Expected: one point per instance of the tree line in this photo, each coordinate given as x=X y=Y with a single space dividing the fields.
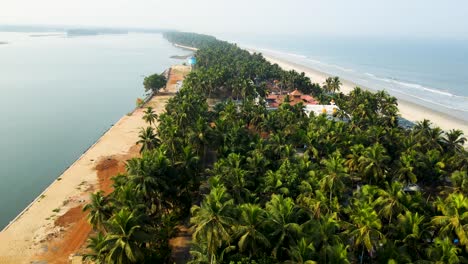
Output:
x=264 y=186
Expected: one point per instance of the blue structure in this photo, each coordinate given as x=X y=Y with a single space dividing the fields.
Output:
x=192 y=61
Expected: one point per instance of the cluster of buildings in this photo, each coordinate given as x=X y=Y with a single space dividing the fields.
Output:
x=274 y=100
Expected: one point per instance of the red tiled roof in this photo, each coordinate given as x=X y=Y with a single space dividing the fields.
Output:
x=295 y=93
x=309 y=99
x=295 y=97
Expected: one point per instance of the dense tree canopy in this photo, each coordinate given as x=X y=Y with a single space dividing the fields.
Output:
x=154 y=82
x=190 y=39
x=266 y=186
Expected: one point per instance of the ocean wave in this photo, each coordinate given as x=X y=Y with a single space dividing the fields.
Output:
x=421 y=87
x=296 y=55
x=342 y=68
x=330 y=65
x=397 y=85
x=430 y=101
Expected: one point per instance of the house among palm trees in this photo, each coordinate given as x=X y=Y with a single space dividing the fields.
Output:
x=309 y=102
x=275 y=100
x=329 y=110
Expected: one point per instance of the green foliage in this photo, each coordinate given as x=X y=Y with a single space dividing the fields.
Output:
x=280 y=187
x=190 y=39
x=154 y=82
x=224 y=70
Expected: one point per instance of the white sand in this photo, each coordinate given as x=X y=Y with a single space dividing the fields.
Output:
x=185 y=47
x=408 y=110
x=24 y=237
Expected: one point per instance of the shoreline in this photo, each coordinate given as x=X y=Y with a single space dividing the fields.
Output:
x=410 y=111
x=185 y=47
x=53 y=227
x=38 y=197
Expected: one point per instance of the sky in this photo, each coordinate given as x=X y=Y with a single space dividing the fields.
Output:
x=425 y=18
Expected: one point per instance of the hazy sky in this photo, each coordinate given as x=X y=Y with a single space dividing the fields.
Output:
x=337 y=17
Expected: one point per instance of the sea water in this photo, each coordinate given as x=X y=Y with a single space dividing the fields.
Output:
x=58 y=95
x=429 y=72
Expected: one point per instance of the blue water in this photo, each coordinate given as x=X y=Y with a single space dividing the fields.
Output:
x=58 y=95
x=429 y=72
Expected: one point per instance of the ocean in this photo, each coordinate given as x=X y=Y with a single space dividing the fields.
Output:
x=58 y=95
x=429 y=72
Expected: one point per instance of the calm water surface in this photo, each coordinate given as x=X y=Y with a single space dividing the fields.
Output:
x=58 y=95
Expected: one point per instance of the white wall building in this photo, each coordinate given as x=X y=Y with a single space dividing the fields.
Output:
x=321 y=109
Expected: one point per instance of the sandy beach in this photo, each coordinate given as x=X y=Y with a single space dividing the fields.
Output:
x=53 y=227
x=185 y=47
x=408 y=110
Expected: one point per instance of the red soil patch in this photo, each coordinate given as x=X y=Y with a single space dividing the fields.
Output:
x=72 y=216
x=110 y=167
x=76 y=227
x=72 y=239
x=176 y=76
x=106 y=169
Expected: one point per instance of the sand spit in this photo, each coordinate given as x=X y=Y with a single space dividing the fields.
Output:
x=53 y=227
x=185 y=47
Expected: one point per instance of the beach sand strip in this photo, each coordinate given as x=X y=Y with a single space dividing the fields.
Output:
x=408 y=110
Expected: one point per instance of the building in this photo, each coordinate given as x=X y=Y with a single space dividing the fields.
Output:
x=329 y=110
x=295 y=97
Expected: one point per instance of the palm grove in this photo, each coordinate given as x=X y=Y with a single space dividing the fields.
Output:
x=265 y=186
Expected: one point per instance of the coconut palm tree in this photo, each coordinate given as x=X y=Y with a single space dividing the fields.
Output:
x=150 y=116
x=406 y=167
x=337 y=254
x=460 y=181
x=328 y=85
x=372 y=164
x=97 y=245
x=125 y=241
x=325 y=233
x=151 y=176
x=282 y=219
x=454 y=217
x=213 y=221
x=392 y=200
x=413 y=233
x=249 y=230
x=302 y=252
x=335 y=176
x=364 y=229
x=454 y=141
x=99 y=210
x=444 y=251
x=168 y=131
x=336 y=84
x=148 y=139
x=353 y=158
x=233 y=176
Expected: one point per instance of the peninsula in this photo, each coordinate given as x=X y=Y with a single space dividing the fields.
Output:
x=229 y=167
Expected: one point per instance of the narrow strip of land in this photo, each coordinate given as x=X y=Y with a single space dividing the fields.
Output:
x=54 y=227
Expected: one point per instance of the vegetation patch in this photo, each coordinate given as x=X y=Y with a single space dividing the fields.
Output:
x=263 y=186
